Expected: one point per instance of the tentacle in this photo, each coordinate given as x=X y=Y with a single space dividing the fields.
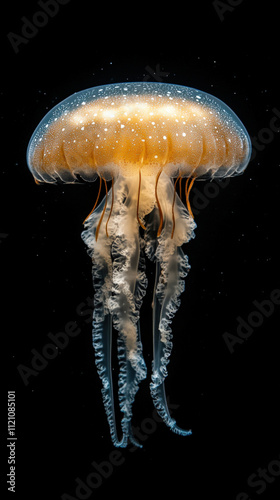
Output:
x=120 y=284
x=129 y=286
x=158 y=204
x=125 y=317
x=102 y=319
x=173 y=203
x=171 y=267
x=111 y=208
x=166 y=302
x=180 y=186
x=188 y=186
x=102 y=213
x=96 y=201
x=138 y=202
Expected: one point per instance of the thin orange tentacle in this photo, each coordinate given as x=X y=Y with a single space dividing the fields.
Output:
x=100 y=183
x=188 y=187
x=111 y=207
x=103 y=212
x=138 y=202
x=173 y=203
x=180 y=186
x=159 y=207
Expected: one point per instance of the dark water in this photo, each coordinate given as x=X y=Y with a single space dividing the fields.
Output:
x=224 y=371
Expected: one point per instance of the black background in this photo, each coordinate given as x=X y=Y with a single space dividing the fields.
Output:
x=230 y=400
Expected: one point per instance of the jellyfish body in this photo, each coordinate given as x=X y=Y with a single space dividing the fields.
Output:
x=140 y=136
x=120 y=284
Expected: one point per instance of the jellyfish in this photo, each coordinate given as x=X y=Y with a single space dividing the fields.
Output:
x=150 y=141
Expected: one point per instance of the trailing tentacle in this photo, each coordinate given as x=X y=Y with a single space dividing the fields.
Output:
x=166 y=302
x=102 y=319
x=125 y=311
x=128 y=288
x=171 y=267
x=120 y=284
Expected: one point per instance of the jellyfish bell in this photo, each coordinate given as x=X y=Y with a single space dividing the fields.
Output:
x=140 y=136
x=121 y=128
